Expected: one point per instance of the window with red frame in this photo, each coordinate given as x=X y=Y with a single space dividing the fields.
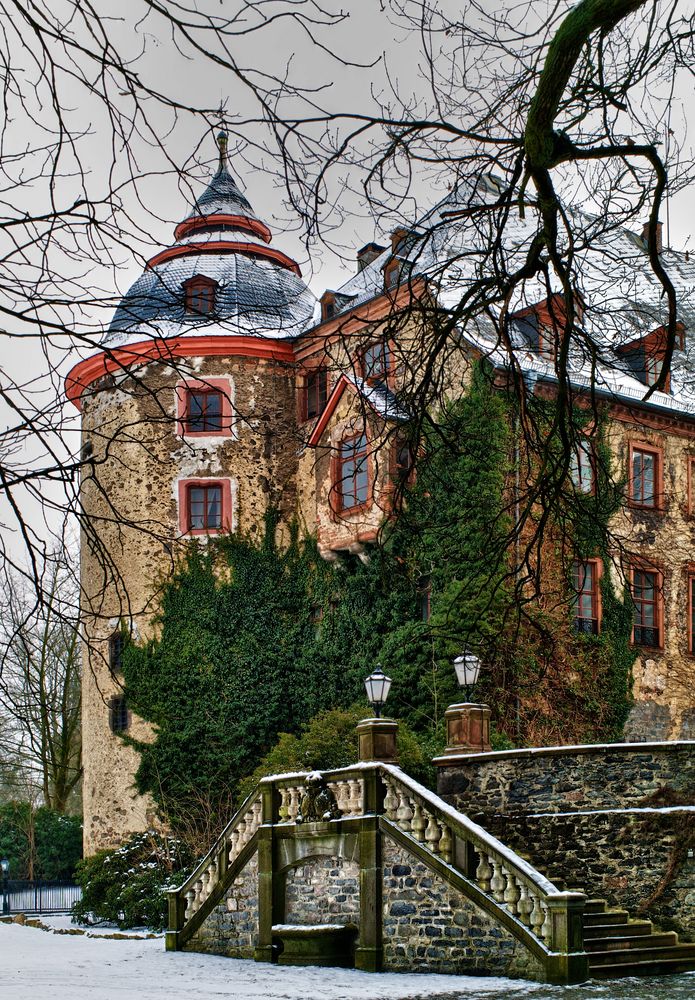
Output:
x=200 y=296
x=353 y=474
x=203 y=411
x=646 y=597
x=316 y=392
x=586 y=597
x=644 y=477
x=204 y=507
x=375 y=362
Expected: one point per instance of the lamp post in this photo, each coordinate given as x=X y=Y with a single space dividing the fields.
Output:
x=5 y=865
x=377 y=736
x=468 y=723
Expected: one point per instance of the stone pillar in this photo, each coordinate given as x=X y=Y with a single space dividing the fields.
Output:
x=467 y=728
x=377 y=740
x=369 y=952
x=568 y=962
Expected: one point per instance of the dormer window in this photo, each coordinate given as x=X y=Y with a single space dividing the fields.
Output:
x=392 y=275
x=645 y=356
x=199 y=293
x=541 y=325
x=328 y=309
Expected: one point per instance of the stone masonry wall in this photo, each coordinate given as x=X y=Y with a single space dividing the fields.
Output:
x=556 y=779
x=231 y=929
x=323 y=891
x=429 y=927
x=131 y=497
x=587 y=816
x=624 y=857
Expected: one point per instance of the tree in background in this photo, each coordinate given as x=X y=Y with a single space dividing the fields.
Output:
x=40 y=748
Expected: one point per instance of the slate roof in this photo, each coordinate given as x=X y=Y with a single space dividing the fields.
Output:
x=254 y=298
x=222 y=196
x=624 y=299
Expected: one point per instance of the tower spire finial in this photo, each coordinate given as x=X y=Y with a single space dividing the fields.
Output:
x=222 y=140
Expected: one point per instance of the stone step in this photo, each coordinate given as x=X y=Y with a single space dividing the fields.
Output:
x=606 y=917
x=630 y=929
x=595 y=905
x=655 y=967
x=678 y=951
x=660 y=939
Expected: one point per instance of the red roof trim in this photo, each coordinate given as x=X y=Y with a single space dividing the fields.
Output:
x=220 y=219
x=226 y=246
x=339 y=388
x=86 y=372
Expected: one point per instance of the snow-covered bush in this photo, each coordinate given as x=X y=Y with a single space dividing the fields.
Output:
x=128 y=886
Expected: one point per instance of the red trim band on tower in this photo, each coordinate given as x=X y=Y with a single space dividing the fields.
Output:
x=220 y=219
x=225 y=246
x=86 y=372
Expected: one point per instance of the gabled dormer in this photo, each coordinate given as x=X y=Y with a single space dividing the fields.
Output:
x=644 y=356
x=334 y=303
x=540 y=325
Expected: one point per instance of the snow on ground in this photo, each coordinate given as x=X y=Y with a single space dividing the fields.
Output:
x=36 y=963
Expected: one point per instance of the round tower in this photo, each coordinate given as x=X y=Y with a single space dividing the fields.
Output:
x=189 y=430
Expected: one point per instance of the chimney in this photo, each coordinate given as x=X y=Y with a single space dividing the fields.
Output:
x=659 y=235
x=367 y=254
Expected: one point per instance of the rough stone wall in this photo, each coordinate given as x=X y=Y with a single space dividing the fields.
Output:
x=624 y=857
x=131 y=498
x=663 y=680
x=231 y=928
x=323 y=891
x=559 y=779
x=429 y=927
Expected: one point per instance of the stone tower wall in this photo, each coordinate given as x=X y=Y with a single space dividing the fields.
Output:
x=130 y=496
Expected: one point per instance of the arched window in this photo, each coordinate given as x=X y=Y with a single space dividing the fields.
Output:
x=199 y=295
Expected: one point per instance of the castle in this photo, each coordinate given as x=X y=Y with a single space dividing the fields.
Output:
x=223 y=386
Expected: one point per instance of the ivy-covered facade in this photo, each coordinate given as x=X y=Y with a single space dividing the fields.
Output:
x=271 y=509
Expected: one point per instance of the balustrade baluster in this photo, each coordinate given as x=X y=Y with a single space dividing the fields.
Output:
x=537 y=915
x=295 y=798
x=419 y=823
x=483 y=873
x=197 y=889
x=433 y=833
x=390 y=801
x=341 y=794
x=497 y=883
x=257 y=814
x=355 y=806
x=205 y=880
x=188 y=912
x=525 y=904
x=446 y=844
x=547 y=928
x=284 y=810
x=404 y=814
x=511 y=892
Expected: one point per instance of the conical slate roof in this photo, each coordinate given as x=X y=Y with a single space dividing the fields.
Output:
x=258 y=289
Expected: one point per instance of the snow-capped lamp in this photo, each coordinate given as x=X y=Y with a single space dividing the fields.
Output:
x=377 y=736
x=467 y=723
x=378 y=686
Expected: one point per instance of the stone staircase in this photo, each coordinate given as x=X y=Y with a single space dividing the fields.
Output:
x=618 y=946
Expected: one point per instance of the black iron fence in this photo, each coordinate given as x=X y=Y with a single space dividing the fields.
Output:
x=37 y=896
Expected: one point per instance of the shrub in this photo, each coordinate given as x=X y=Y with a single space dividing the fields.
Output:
x=128 y=886
x=329 y=741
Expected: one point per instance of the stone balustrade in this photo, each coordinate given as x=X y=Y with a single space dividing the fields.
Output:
x=500 y=874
